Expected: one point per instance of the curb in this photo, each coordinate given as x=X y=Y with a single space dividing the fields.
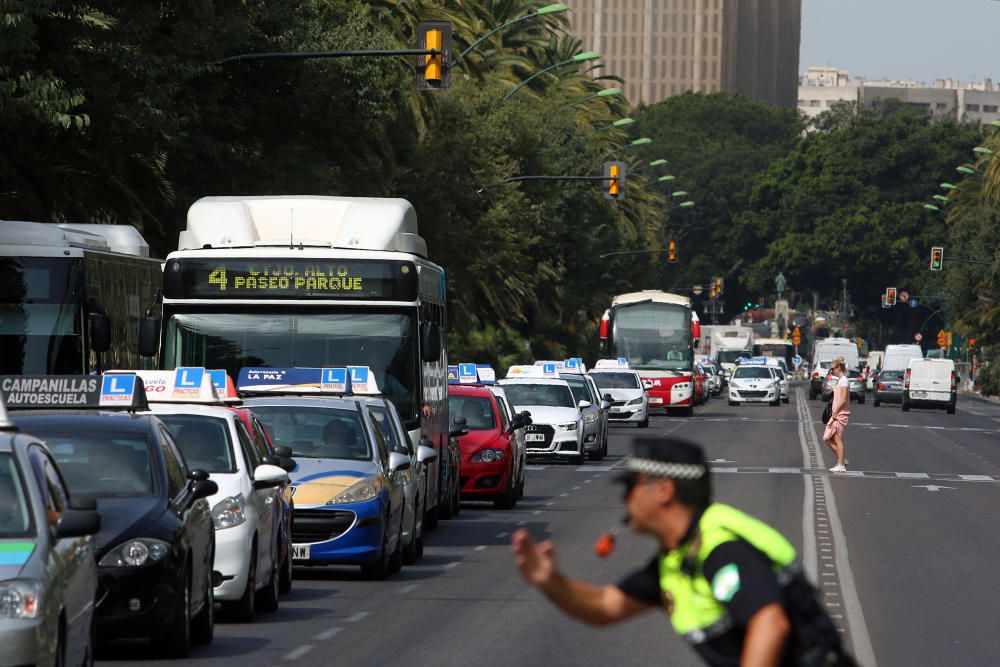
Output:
x=978 y=396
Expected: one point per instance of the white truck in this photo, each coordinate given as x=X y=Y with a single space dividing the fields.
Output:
x=729 y=343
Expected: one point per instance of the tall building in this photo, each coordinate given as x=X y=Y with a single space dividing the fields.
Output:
x=668 y=47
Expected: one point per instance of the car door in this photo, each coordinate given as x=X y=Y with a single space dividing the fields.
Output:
x=396 y=441
x=70 y=573
x=516 y=438
x=195 y=517
x=262 y=503
x=396 y=479
x=595 y=394
x=282 y=495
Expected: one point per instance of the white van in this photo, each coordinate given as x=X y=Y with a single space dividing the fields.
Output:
x=930 y=383
x=828 y=349
x=897 y=356
x=874 y=363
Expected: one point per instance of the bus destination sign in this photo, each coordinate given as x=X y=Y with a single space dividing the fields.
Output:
x=219 y=278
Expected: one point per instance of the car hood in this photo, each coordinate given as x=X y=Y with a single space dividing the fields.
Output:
x=316 y=481
x=474 y=440
x=14 y=555
x=623 y=394
x=124 y=517
x=544 y=414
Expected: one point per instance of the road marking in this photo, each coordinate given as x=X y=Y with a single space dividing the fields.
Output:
x=354 y=618
x=912 y=475
x=549 y=504
x=932 y=487
x=577 y=488
x=502 y=535
x=331 y=633
x=452 y=565
x=564 y=495
x=867 y=474
x=536 y=467
x=976 y=478
x=522 y=523
x=864 y=653
x=481 y=547
x=785 y=471
x=594 y=468
x=299 y=652
x=587 y=481
x=537 y=512
x=408 y=589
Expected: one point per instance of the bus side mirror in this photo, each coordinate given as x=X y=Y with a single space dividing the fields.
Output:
x=100 y=332
x=149 y=336
x=430 y=342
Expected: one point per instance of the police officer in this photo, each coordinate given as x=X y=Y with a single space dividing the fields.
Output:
x=731 y=584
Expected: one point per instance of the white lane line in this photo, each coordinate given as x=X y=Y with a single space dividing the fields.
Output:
x=408 y=589
x=329 y=634
x=481 y=547
x=715 y=470
x=549 y=504
x=594 y=468
x=452 y=565
x=522 y=523
x=537 y=512
x=564 y=495
x=809 y=560
x=864 y=653
x=976 y=478
x=785 y=471
x=299 y=652
x=912 y=475
x=535 y=467
x=587 y=481
x=354 y=618
x=502 y=535
x=577 y=488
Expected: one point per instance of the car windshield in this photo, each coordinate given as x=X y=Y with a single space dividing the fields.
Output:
x=616 y=380
x=316 y=432
x=752 y=373
x=886 y=376
x=477 y=410
x=653 y=336
x=15 y=520
x=731 y=356
x=780 y=373
x=204 y=441
x=106 y=465
x=548 y=395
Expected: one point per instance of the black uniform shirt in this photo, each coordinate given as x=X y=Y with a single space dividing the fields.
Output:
x=746 y=585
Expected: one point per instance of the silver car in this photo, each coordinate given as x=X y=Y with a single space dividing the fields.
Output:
x=415 y=483
x=48 y=577
x=595 y=415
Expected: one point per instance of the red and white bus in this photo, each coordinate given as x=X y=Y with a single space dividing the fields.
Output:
x=656 y=333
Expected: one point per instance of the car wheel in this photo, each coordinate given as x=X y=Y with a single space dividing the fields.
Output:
x=287 y=572
x=243 y=609
x=410 y=550
x=520 y=483
x=906 y=406
x=812 y=395
x=508 y=498
x=432 y=516
x=951 y=409
x=378 y=569
x=644 y=423
x=59 y=659
x=733 y=404
x=876 y=403
x=267 y=597
x=88 y=658
x=861 y=399
x=456 y=501
x=396 y=557
x=175 y=642
x=598 y=455
x=203 y=624
x=785 y=399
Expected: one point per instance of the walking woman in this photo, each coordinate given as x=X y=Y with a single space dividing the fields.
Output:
x=834 y=433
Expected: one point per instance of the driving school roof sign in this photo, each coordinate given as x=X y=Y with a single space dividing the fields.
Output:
x=73 y=391
x=342 y=380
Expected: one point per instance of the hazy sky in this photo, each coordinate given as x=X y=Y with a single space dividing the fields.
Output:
x=903 y=39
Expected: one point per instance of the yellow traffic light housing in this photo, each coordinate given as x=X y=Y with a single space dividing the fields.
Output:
x=434 y=70
x=937 y=259
x=942 y=338
x=614 y=177
x=672 y=251
x=718 y=286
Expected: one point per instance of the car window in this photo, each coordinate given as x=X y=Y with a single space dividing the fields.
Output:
x=380 y=443
x=890 y=375
x=49 y=483
x=780 y=373
x=592 y=388
x=391 y=434
x=260 y=439
x=15 y=519
x=246 y=444
x=102 y=464
x=579 y=389
x=505 y=412
x=316 y=432
x=204 y=441
x=477 y=410
x=176 y=472
x=617 y=380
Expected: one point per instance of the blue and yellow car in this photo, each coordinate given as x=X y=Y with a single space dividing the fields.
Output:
x=348 y=484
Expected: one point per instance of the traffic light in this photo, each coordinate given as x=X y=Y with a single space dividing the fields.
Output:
x=614 y=176
x=890 y=296
x=937 y=259
x=672 y=251
x=748 y=306
x=717 y=284
x=942 y=338
x=434 y=71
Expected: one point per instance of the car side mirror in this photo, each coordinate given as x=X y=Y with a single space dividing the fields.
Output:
x=458 y=427
x=149 y=336
x=526 y=416
x=100 y=332
x=398 y=462
x=583 y=405
x=78 y=523
x=426 y=454
x=283 y=450
x=267 y=476
x=197 y=475
x=203 y=489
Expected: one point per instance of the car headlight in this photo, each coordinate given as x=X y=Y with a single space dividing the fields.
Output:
x=20 y=598
x=635 y=401
x=136 y=553
x=568 y=426
x=487 y=456
x=229 y=512
x=591 y=418
x=365 y=489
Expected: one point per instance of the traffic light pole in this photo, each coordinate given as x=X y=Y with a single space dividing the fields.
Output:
x=312 y=55
x=632 y=252
x=513 y=179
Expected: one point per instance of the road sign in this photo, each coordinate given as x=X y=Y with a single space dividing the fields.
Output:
x=914 y=302
x=918 y=337
x=904 y=296
x=796 y=361
x=796 y=337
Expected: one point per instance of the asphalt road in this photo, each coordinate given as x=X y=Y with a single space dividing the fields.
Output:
x=900 y=548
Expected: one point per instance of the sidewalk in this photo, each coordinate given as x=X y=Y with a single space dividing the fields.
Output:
x=975 y=395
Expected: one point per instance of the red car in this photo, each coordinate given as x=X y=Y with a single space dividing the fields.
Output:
x=492 y=447
x=700 y=386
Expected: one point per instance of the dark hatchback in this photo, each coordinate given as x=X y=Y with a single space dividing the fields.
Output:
x=155 y=547
x=888 y=387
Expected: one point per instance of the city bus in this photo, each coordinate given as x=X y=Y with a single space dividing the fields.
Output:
x=775 y=347
x=657 y=334
x=71 y=297
x=313 y=281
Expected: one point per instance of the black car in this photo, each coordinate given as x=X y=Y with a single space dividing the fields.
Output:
x=155 y=547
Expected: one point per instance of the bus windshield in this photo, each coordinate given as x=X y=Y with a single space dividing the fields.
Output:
x=40 y=315
x=384 y=341
x=653 y=336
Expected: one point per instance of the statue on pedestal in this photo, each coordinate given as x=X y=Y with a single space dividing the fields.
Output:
x=780 y=284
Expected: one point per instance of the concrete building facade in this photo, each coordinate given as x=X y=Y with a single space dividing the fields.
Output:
x=668 y=47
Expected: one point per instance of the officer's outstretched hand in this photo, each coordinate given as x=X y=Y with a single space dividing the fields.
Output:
x=537 y=562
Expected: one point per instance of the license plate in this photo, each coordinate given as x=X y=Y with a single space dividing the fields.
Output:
x=616 y=410
x=918 y=394
x=534 y=437
x=300 y=552
x=654 y=400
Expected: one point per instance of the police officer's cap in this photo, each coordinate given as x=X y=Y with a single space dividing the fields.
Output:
x=665 y=457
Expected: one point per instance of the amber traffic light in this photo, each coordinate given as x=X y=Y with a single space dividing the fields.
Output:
x=672 y=251
x=434 y=70
x=614 y=179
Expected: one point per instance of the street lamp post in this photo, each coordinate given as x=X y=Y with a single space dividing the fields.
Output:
x=642 y=141
x=654 y=163
x=607 y=92
x=621 y=122
x=541 y=11
x=578 y=58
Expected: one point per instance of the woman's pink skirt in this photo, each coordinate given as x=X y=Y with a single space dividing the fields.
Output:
x=835 y=427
